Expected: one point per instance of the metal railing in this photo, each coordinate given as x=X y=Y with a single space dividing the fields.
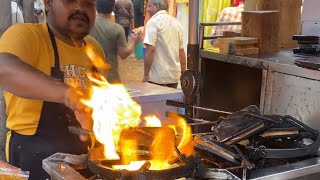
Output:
x=203 y=25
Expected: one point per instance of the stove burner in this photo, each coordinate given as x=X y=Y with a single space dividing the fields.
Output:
x=104 y=169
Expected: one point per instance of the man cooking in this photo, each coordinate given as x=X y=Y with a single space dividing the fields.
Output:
x=35 y=60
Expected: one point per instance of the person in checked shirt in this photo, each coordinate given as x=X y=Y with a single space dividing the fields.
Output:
x=229 y=14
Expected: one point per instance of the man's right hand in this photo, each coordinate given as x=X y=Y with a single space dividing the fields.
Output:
x=82 y=112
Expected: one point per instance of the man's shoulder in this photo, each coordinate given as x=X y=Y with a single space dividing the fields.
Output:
x=153 y=20
x=27 y=32
x=27 y=28
x=162 y=17
x=115 y=25
x=108 y=23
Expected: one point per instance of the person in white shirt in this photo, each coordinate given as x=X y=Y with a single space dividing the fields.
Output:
x=165 y=58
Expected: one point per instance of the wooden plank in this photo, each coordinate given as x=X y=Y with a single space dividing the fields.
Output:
x=228 y=34
x=290 y=18
x=250 y=5
x=264 y=25
x=238 y=45
x=247 y=51
x=238 y=40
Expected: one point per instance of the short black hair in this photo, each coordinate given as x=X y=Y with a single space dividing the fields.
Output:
x=105 y=6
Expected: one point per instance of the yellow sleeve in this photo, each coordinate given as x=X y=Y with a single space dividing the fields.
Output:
x=21 y=41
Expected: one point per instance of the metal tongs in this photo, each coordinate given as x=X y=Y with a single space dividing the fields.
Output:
x=184 y=105
x=79 y=131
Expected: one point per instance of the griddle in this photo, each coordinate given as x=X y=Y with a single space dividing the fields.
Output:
x=239 y=125
x=308 y=62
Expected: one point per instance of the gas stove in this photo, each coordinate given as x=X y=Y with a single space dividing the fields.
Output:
x=62 y=166
x=243 y=145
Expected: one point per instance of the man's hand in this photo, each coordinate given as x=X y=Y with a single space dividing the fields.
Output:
x=86 y=122
x=145 y=78
x=136 y=37
x=82 y=112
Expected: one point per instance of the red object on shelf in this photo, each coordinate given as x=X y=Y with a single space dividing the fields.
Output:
x=237 y=2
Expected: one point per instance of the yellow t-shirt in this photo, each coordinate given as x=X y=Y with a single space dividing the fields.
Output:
x=31 y=43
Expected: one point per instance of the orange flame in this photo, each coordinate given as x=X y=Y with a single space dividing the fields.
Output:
x=114 y=110
x=185 y=145
x=152 y=121
x=96 y=60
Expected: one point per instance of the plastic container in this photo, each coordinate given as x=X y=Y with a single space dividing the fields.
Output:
x=139 y=51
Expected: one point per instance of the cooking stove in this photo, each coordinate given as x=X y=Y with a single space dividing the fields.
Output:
x=215 y=156
x=62 y=166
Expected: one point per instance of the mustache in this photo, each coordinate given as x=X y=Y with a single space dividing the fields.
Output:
x=81 y=14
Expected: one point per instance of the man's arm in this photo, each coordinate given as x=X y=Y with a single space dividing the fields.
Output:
x=25 y=81
x=21 y=79
x=148 y=60
x=125 y=51
x=183 y=61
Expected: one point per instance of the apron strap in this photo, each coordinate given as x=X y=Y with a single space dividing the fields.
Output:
x=55 y=71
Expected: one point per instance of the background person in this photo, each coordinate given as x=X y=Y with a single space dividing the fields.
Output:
x=111 y=37
x=124 y=13
x=165 y=58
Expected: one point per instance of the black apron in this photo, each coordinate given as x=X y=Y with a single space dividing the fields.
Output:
x=52 y=135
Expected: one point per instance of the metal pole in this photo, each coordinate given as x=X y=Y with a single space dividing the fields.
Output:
x=193 y=40
x=5 y=15
x=5 y=23
x=193 y=21
x=193 y=61
x=28 y=11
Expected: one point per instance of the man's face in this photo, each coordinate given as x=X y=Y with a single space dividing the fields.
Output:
x=73 y=18
x=152 y=9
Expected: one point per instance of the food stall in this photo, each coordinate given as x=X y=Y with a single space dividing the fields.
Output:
x=270 y=90
x=238 y=106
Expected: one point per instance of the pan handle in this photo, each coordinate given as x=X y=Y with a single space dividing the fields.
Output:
x=177 y=104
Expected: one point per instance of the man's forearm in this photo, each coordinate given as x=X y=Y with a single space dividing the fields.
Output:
x=148 y=60
x=27 y=82
x=125 y=51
